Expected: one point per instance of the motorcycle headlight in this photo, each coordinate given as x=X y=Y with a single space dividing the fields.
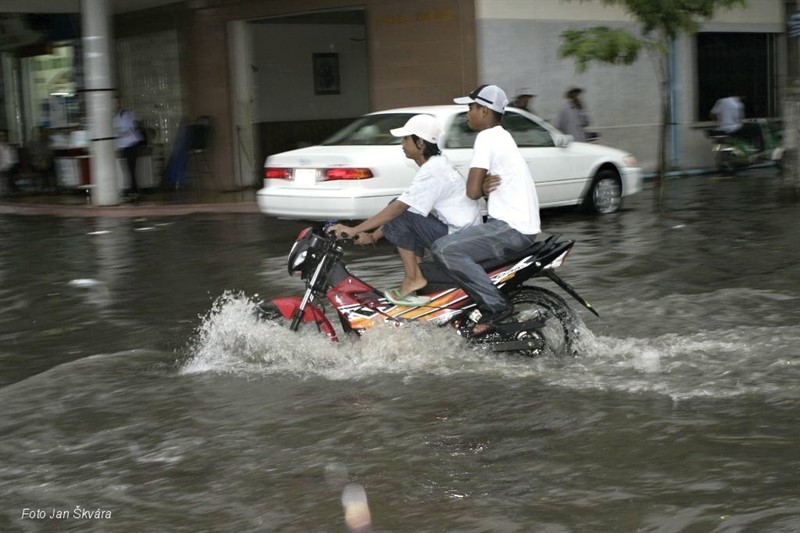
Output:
x=299 y=252
x=305 y=253
x=296 y=262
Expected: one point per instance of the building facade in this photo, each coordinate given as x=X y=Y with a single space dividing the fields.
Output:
x=271 y=75
x=740 y=51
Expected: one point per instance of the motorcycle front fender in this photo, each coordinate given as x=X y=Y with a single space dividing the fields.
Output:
x=288 y=306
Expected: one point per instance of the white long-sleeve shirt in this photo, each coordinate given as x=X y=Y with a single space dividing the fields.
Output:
x=125 y=129
x=8 y=156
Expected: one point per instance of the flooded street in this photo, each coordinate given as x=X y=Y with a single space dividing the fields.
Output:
x=138 y=392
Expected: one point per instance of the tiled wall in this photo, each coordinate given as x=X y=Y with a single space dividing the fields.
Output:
x=148 y=70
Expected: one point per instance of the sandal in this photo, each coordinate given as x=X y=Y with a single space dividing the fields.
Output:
x=411 y=299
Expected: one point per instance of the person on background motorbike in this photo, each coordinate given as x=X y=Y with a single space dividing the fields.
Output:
x=729 y=114
x=513 y=208
x=434 y=205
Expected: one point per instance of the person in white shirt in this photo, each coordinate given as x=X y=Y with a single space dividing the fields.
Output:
x=730 y=116
x=128 y=143
x=9 y=162
x=573 y=117
x=524 y=100
x=729 y=113
x=434 y=205
x=513 y=208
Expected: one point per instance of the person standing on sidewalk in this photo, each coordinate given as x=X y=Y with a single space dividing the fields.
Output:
x=128 y=143
x=9 y=164
x=524 y=99
x=573 y=118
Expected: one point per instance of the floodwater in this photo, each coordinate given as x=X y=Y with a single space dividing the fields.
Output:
x=137 y=393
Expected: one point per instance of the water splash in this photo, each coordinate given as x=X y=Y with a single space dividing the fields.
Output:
x=232 y=339
x=720 y=363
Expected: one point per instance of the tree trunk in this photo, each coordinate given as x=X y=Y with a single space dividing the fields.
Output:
x=664 y=76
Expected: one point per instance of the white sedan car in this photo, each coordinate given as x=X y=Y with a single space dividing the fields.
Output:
x=360 y=169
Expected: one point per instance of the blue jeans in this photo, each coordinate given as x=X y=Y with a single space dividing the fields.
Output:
x=460 y=252
x=414 y=232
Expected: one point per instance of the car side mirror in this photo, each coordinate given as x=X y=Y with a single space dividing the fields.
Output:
x=562 y=141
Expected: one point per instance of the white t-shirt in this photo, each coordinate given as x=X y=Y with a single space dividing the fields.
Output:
x=514 y=201
x=730 y=113
x=125 y=129
x=438 y=188
x=8 y=157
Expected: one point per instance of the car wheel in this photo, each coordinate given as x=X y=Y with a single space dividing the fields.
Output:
x=605 y=194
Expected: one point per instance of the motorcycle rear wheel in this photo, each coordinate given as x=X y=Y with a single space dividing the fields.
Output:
x=562 y=324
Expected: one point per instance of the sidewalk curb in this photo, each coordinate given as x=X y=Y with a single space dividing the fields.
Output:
x=126 y=210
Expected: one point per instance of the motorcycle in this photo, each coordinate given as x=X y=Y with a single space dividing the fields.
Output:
x=758 y=141
x=543 y=321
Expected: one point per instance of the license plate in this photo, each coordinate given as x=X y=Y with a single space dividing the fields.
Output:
x=305 y=177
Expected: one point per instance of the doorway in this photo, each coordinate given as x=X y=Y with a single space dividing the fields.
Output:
x=296 y=80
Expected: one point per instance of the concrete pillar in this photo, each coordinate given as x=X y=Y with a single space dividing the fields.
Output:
x=99 y=87
x=791 y=140
x=791 y=106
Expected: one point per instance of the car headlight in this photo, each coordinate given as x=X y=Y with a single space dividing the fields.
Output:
x=630 y=161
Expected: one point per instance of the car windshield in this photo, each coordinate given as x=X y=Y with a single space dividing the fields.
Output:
x=370 y=129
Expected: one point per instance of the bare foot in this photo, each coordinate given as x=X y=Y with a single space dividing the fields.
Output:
x=412 y=285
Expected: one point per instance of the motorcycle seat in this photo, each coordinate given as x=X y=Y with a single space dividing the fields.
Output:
x=439 y=279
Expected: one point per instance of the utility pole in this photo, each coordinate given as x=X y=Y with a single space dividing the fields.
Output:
x=791 y=108
x=95 y=18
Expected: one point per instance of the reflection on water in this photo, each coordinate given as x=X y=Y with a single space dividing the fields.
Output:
x=135 y=379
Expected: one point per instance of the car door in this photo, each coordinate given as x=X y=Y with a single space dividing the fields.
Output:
x=553 y=167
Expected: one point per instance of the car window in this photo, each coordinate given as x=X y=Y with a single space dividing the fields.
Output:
x=370 y=130
x=525 y=131
x=459 y=135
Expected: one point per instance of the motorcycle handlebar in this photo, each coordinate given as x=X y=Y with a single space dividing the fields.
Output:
x=344 y=238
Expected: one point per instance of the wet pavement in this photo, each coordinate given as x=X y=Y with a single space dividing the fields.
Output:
x=135 y=382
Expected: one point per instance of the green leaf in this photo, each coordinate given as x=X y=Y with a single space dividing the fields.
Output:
x=602 y=44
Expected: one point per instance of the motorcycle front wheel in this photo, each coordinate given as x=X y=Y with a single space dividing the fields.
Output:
x=562 y=324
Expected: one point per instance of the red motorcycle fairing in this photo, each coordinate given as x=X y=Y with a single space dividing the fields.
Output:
x=289 y=305
x=361 y=306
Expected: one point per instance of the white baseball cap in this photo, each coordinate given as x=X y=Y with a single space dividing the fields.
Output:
x=490 y=96
x=423 y=126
